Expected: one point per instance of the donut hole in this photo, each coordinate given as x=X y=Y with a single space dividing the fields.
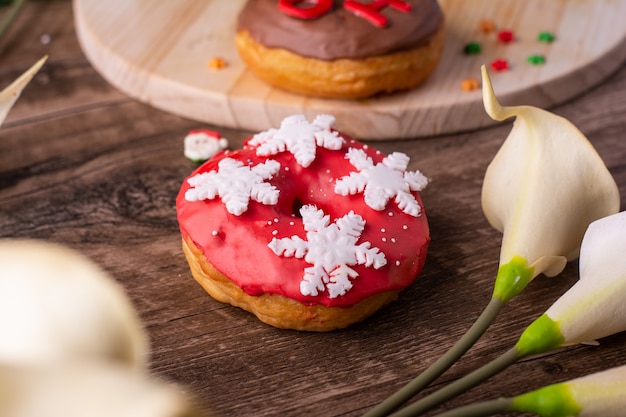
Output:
x=296 y=205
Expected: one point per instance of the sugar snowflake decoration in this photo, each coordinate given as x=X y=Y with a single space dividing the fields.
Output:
x=299 y=137
x=236 y=184
x=332 y=249
x=382 y=181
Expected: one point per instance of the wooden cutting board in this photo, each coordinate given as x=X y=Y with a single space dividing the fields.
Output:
x=158 y=52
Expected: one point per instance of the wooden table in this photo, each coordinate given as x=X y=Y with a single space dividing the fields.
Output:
x=86 y=166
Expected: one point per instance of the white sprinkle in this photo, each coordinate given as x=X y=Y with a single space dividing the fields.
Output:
x=390 y=214
x=397 y=263
x=384 y=239
x=291 y=223
x=45 y=39
x=276 y=220
x=365 y=147
x=393 y=239
x=275 y=232
x=382 y=230
x=214 y=232
x=286 y=168
x=269 y=223
x=405 y=227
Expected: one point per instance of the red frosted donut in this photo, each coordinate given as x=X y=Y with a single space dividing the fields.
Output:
x=304 y=227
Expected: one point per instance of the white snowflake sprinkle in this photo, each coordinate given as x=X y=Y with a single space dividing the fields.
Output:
x=382 y=181
x=332 y=249
x=236 y=184
x=299 y=137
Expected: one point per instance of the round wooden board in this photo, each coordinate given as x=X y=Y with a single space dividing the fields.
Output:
x=158 y=52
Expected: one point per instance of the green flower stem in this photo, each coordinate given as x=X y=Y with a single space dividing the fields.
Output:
x=461 y=385
x=481 y=409
x=13 y=11
x=479 y=327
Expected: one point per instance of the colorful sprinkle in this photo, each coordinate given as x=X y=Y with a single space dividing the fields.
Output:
x=217 y=63
x=472 y=48
x=486 y=26
x=506 y=36
x=470 y=84
x=536 y=59
x=546 y=37
x=500 y=65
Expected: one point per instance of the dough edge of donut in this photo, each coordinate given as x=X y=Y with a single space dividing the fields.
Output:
x=277 y=310
x=342 y=78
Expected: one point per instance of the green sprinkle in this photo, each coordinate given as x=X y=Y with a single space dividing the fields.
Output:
x=546 y=37
x=472 y=48
x=536 y=59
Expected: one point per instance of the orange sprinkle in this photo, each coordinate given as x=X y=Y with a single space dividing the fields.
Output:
x=486 y=26
x=469 y=84
x=217 y=63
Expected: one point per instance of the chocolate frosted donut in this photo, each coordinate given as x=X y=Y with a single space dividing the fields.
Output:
x=340 y=53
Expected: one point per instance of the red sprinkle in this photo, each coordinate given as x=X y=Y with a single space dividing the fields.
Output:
x=506 y=36
x=500 y=65
x=319 y=8
x=371 y=11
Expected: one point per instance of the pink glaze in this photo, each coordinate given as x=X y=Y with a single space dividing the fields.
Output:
x=238 y=245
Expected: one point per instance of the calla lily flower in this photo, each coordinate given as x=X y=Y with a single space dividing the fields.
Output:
x=10 y=94
x=595 y=307
x=601 y=394
x=543 y=188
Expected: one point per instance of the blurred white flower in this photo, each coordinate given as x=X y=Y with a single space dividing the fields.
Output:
x=56 y=306
x=10 y=94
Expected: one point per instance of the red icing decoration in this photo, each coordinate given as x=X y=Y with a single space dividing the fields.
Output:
x=319 y=8
x=211 y=133
x=506 y=36
x=238 y=245
x=500 y=65
x=371 y=11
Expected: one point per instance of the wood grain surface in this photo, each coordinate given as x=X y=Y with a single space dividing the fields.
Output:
x=158 y=52
x=84 y=165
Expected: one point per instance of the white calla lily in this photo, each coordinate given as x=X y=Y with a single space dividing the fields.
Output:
x=595 y=307
x=10 y=94
x=543 y=188
x=602 y=394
